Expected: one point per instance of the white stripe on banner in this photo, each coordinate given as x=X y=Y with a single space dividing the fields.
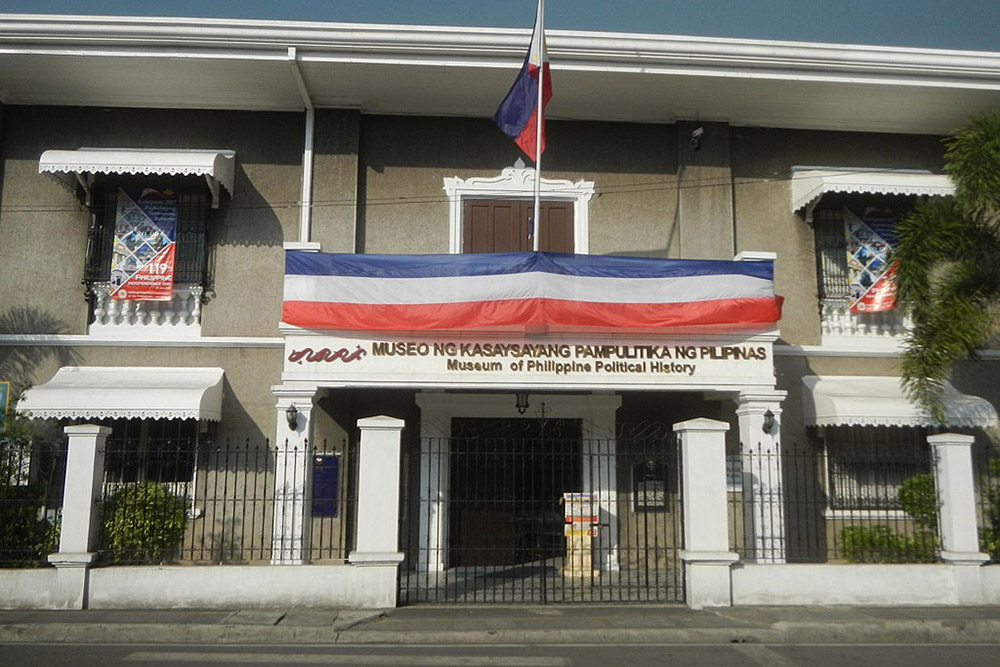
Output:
x=462 y=289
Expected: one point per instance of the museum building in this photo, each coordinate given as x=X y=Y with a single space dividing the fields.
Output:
x=352 y=238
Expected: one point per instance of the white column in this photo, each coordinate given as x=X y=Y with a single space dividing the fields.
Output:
x=292 y=476
x=435 y=476
x=378 y=492
x=81 y=522
x=84 y=475
x=952 y=454
x=600 y=475
x=760 y=450
x=432 y=499
x=706 y=555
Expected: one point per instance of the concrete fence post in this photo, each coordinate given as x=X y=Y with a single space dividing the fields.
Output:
x=957 y=523
x=706 y=555
x=378 y=492
x=81 y=521
x=763 y=497
x=290 y=535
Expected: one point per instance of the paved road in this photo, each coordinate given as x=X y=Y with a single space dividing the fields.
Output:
x=728 y=655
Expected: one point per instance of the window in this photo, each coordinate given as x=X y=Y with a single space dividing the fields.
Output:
x=192 y=227
x=155 y=450
x=855 y=238
x=867 y=464
x=649 y=486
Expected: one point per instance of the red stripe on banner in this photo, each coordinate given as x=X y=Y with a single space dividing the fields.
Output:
x=520 y=312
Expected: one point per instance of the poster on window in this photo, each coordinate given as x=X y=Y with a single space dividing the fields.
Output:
x=142 y=258
x=871 y=239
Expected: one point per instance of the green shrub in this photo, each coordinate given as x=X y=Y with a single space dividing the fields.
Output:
x=989 y=537
x=143 y=522
x=989 y=543
x=918 y=497
x=869 y=545
x=22 y=533
x=879 y=544
x=23 y=528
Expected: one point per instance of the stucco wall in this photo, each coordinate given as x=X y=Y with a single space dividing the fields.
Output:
x=762 y=162
x=248 y=410
x=43 y=227
x=406 y=159
x=335 y=179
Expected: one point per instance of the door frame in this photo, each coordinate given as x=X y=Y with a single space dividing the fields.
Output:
x=437 y=408
x=518 y=182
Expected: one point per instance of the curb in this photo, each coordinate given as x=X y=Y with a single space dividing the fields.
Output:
x=783 y=632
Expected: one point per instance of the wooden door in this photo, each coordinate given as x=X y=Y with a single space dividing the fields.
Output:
x=502 y=226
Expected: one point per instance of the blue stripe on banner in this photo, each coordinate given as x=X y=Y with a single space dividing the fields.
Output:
x=439 y=266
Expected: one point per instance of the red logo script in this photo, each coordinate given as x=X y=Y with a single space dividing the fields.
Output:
x=326 y=354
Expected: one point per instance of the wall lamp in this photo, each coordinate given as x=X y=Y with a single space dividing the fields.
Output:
x=521 y=402
x=292 y=415
x=768 y=421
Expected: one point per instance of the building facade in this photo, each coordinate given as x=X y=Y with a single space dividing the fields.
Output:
x=371 y=140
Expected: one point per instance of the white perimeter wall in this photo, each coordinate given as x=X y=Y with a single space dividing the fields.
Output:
x=231 y=587
x=873 y=585
x=203 y=587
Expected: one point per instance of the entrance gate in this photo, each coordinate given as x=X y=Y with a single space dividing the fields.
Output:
x=484 y=517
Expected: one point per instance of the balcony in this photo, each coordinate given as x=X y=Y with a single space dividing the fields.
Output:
x=839 y=325
x=178 y=318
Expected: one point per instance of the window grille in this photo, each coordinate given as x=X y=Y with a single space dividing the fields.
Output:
x=867 y=464
x=831 y=253
x=192 y=230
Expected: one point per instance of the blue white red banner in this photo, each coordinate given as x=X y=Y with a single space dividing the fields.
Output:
x=517 y=115
x=521 y=290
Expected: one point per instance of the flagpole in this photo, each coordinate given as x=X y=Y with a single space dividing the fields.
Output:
x=540 y=28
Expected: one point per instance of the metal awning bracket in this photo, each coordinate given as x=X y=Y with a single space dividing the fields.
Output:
x=86 y=182
x=213 y=187
x=810 y=207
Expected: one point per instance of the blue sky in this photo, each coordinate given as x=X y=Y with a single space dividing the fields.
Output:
x=954 y=24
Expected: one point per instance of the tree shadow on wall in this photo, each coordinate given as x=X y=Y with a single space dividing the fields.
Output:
x=18 y=361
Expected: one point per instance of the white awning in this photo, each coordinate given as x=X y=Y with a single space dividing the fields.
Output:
x=100 y=392
x=218 y=167
x=880 y=401
x=809 y=184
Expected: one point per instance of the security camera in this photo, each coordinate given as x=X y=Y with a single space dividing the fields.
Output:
x=695 y=140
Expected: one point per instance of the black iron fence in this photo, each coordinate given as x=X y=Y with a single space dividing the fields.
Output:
x=481 y=516
x=180 y=500
x=853 y=504
x=31 y=482
x=986 y=472
x=526 y=511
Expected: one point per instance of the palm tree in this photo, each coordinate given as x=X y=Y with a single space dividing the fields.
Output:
x=948 y=273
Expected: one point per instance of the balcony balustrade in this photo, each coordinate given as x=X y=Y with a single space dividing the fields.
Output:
x=179 y=317
x=839 y=324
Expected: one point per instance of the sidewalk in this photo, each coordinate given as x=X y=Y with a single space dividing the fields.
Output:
x=510 y=625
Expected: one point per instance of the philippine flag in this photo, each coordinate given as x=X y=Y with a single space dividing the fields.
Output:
x=517 y=116
x=524 y=290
